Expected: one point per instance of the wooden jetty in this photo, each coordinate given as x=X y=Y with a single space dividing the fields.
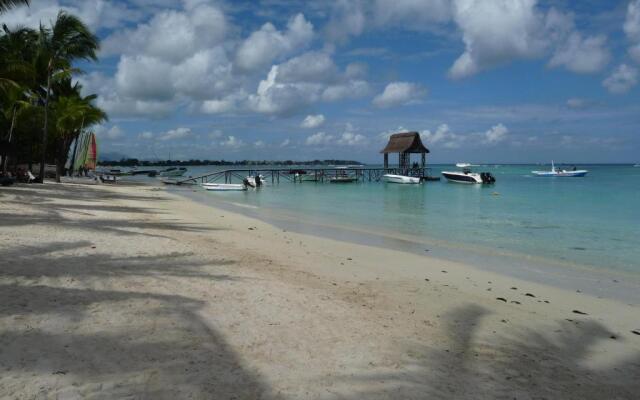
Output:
x=301 y=174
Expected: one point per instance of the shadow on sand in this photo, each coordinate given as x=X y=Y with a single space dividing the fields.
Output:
x=528 y=365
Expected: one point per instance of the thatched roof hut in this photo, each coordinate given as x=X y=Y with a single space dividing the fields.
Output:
x=405 y=144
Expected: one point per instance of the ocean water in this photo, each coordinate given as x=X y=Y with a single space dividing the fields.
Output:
x=591 y=222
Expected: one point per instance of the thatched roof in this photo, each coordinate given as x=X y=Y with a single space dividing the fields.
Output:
x=406 y=142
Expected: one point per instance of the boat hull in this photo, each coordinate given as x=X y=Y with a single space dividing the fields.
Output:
x=224 y=187
x=458 y=177
x=401 y=179
x=561 y=174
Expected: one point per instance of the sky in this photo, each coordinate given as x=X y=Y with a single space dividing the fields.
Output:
x=482 y=81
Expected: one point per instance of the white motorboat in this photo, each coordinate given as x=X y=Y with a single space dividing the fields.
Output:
x=463 y=165
x=466 y=176
x=254 y=181
x=391 y=178
x=224 y=187
x=173 y=172
x=561 y=173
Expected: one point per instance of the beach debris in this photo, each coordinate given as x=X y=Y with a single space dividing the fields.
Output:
x=614 y=337
x=488 y=289
x=349 y=258
x=514 y=288
x=426 y=279
x=250 y=228
x=529 y=294
x=501 y=299
x=504 y=321
x=635 y=332
x=546 y=301
x=426 y=249
x=443 y=271
x=515 y=302
x=579 y=312
x=60 y=372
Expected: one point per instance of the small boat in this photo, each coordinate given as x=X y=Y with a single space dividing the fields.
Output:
x=253 y=181
x=391 y=178
x=173 y=172
x=149 y=172
x=466 y=176
x=342 y=177
x=224 y=187
x=463 y=165
x=561 y=173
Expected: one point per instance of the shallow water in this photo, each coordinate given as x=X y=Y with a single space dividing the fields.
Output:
x=577 y=229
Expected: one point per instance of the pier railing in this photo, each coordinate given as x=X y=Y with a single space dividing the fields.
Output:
x=274 y=175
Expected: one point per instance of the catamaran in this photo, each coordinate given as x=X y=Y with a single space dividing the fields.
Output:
x=561 y=173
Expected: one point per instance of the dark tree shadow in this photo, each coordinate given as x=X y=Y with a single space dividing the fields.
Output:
x=527 y=365
x=174 y=354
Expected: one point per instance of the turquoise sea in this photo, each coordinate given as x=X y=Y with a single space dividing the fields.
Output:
x=522 y=221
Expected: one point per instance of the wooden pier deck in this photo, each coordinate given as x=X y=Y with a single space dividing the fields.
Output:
x=296 y=175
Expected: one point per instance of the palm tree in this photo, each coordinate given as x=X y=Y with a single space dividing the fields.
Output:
x=67 y=40
x=72 y=113
x=6 y=5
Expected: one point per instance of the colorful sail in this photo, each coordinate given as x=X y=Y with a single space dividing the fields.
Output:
x=87 y=153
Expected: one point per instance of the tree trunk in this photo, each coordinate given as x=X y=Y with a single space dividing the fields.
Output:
x=5 y=161
x=45 y=131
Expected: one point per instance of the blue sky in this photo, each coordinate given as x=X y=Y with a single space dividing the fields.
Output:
x=483 y=81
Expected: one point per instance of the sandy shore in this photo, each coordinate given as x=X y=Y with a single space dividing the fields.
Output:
x=132 y=292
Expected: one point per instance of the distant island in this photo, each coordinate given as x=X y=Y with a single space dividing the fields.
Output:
x=134 y=162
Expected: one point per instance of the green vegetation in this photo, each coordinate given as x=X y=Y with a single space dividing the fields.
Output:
x=42 y=111
x=134 y=162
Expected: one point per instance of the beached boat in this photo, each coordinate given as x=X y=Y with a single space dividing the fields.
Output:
x=391 y=178
x=173 y=172
x=467 y=176
x=342 y=179
x=224 y=187
x=574 y=173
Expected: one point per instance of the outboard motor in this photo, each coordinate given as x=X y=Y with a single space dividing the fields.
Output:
x=258 y=180
x=487 y=177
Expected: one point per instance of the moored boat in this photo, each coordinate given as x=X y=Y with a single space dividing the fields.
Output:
x=224 y=187
x=573 y=173
x=467 y=176
x=173 y=172
x=403 y=179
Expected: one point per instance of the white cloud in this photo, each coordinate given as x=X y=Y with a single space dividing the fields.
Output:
x=313 y=121
x=285 y=143
x=621 y=80
x=97 y=14
x=582 y=55
x=352 y=139
x=268 y=44
x=443 y=136
x=496 y=134
x=232 y=142
x=216 y=134
x=258 y=144
x=292 y=86
x=114 y=132
x=632 y=29
x=497 y=32
x=146 y=135
x=319 y=138
x=399 y=93
x=175 y=134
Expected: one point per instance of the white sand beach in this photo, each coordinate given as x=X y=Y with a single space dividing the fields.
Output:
x=132 y=292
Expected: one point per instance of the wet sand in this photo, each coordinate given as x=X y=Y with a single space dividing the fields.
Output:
x=133 y=292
